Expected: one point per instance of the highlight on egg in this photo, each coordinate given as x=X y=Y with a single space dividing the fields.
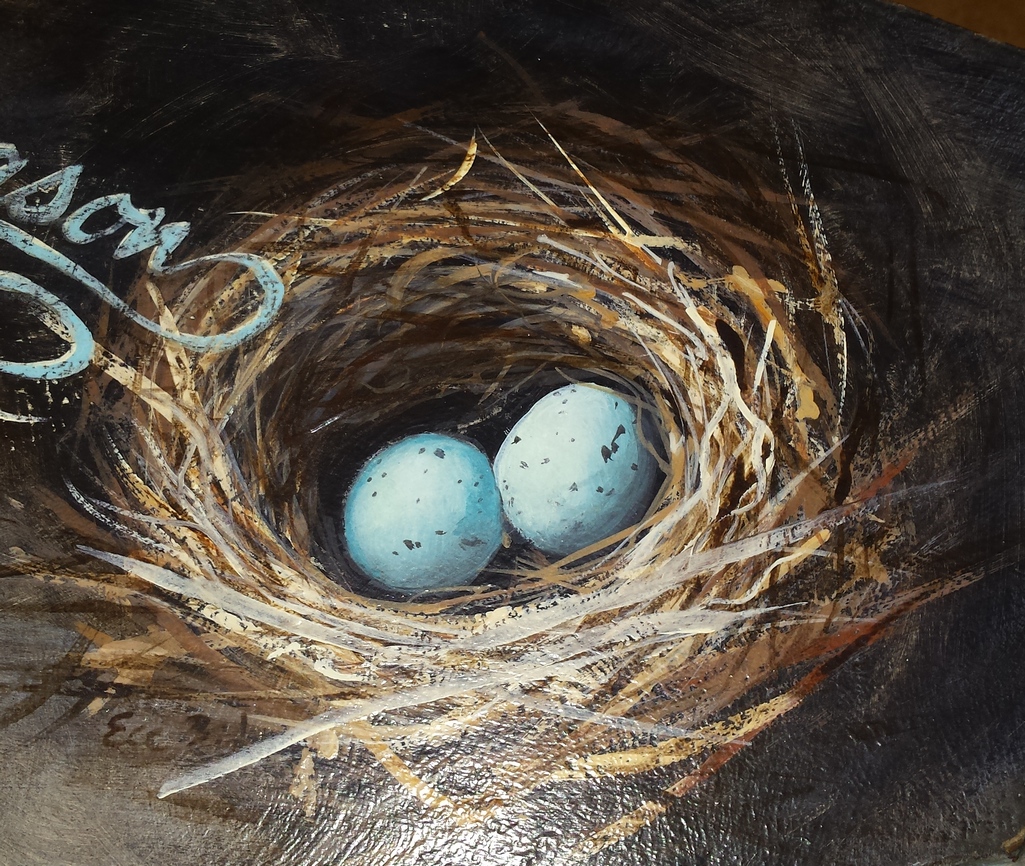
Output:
x=575 y=469
x=423 y=514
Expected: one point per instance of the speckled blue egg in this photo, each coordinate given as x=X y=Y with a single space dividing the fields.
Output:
x=424 y=514
x=573 y=470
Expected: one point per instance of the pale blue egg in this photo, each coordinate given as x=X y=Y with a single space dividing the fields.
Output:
x=423 y=514
x=573 y=470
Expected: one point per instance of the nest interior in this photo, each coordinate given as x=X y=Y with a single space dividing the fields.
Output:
x=444 y=283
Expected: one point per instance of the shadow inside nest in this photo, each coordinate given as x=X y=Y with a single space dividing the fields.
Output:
x=482 y=414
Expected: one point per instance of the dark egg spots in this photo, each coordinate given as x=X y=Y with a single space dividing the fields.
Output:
x=606 y=450
x=599 y=456
x=382 y=520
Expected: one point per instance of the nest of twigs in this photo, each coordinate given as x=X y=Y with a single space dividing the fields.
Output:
x=441 y=285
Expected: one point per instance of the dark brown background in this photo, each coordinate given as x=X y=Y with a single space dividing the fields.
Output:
x=914 y=131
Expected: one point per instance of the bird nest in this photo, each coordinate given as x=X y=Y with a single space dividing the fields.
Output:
x=440 y=285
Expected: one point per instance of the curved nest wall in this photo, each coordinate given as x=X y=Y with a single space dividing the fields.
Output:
x=445 y=284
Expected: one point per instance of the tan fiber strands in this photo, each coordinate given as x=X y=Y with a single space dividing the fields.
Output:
x=435 y=269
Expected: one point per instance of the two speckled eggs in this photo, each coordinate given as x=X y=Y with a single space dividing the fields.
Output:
x=427 y=512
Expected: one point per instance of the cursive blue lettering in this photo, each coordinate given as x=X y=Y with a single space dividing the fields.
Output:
x=59 y=318
x=60 y=186
x=14 y=164
x=45 y=202
x=143 y=223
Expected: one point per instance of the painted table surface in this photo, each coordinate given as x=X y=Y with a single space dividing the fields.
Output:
x=913 y=751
